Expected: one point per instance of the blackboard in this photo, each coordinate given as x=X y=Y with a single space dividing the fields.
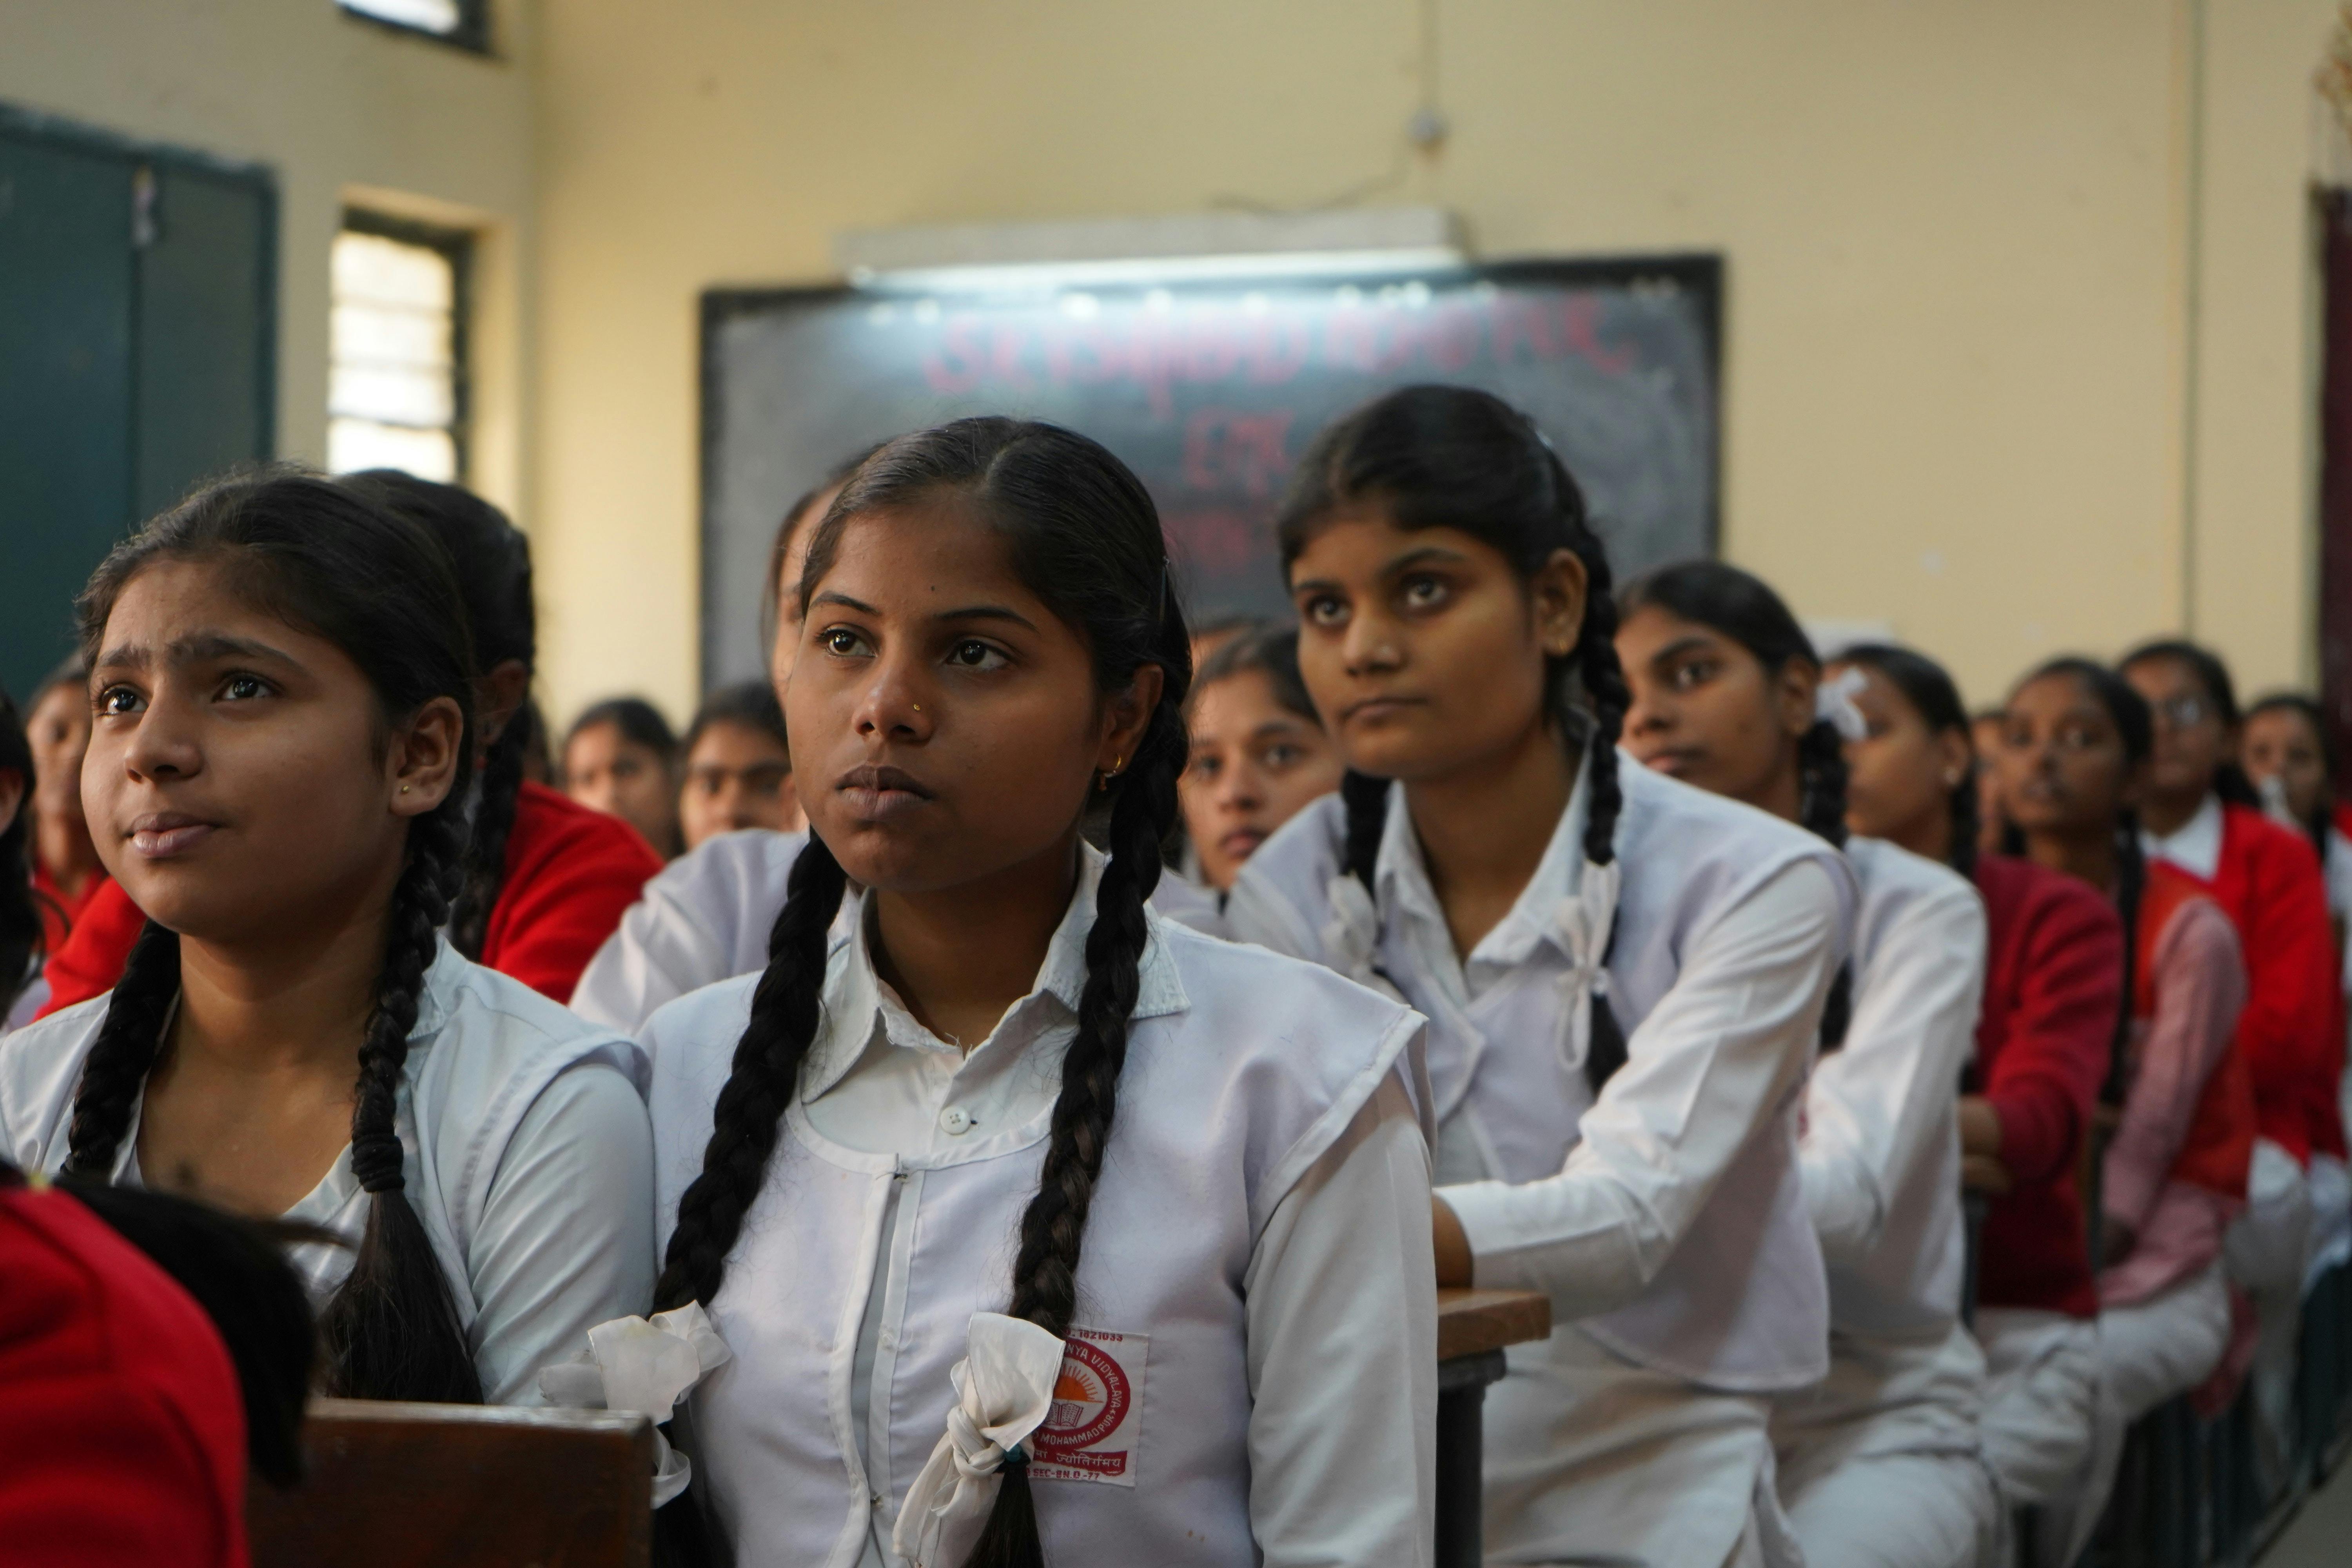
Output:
x=1211 y=391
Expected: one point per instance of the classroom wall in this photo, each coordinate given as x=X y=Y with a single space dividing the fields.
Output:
x=342 y=109
x=1957 y=238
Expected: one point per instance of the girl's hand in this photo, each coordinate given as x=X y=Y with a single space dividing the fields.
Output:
x=1979 y=1126
x=1453 y=1261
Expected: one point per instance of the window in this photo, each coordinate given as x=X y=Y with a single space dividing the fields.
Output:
x=465 y=23
x=396 y=383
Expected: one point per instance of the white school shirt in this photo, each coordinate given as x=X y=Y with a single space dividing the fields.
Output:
x=528 y=1157
x=1666 y=1219
x=1258 y=1254
x=705 y=916
x=2195 y=845
x=1881 y=1151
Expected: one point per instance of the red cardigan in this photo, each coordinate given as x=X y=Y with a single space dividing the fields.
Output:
x=121 y=1426
x=2053 y=982
x=2291 y=1033
x=570 y=873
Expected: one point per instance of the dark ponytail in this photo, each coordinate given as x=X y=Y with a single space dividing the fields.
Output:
x=492 y=561
x=1743 y=607
x=1450 y=457
x=1929 y=688
x=322 y=558
x=1084 y=537
x=20 y=911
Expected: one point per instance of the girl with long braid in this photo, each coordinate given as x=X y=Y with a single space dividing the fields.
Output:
x=1623 y=975
x=1880 y=1464
x=1911 y=777
x=543 y=880
x=283 y=698
x=2074 y=760
x=1035 y=1228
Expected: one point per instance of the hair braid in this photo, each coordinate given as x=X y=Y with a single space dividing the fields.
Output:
x=391 y=1330
x=1052 y=1228
x=2131 y=884
x=116 y=1070
x=748 y=1113
x=485 y=862
x=1967 y=823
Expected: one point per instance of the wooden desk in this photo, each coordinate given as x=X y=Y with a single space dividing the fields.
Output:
x=1473 y=1327
x=460 y=1486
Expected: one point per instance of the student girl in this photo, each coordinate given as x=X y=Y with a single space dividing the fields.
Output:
x=1259 y=755
x=738 y=766
x=621 y=758
x=66 y=872
x=1028 y=1219
x=707 y=916
x=22 y=932
x=2074 y=760
x=544 y=881
x=1881 y=1463
x=1623 y=976
x=283 y=696
x=2199 y=814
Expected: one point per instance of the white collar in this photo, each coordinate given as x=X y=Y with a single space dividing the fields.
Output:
x=2195 y=847
x=857 y=1000
x=1401 y=874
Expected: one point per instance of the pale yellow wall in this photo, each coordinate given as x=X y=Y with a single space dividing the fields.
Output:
x=339 y=109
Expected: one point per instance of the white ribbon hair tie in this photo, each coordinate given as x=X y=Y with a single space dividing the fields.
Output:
x=1004 y=1391
x=1833 y=704
x=646 y=1367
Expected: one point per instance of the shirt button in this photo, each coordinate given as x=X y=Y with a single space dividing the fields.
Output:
x=956 y=1120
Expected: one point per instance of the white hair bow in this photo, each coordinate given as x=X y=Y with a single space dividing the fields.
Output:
x=1833 y=704
x=1004 y=1391
x=647 y=1366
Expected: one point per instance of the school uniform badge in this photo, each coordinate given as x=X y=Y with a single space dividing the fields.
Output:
x=1097 y=1417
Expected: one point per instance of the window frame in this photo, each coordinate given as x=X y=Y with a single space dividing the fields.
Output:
x=456 y=246
x=472 y=33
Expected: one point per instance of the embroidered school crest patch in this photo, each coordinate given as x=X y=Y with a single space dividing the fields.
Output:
x=1097 y=1411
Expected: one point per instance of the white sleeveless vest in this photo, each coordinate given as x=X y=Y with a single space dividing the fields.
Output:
x=1741 y=1303
x=1242 y=1068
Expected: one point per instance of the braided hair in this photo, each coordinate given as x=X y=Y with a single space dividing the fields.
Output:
x=321 y=557
x=20 y=910
x=1452 y=456
x=1084 y=536
x=1929 y=688
x=492 y=561
x=1743 y=607
x=2135 y=729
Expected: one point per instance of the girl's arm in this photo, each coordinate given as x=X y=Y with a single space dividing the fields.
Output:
x=1873 y=1102
x=2201 y=985
x=566 y=1240
x=1342 y=1323
x=2041 y=1085
x=1718 y=1058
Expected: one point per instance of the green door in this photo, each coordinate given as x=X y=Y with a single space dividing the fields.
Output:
x=136 y=312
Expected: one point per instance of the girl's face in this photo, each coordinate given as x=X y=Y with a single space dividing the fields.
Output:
x=1422 y=649
x=605 y=771
x=2062 y=760
x=946 y=725
x=1254 y=764
x=1707 y=711
x=736 y=776
x=2191 y=740
x=1900 y=776
x=243 y=783
x=58 y=731
x=2280 y=744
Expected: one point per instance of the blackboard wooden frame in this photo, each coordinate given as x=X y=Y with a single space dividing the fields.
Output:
x=1700 y=276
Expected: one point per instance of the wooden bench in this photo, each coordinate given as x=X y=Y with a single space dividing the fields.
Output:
x=1473 y=1327
x=460 y=1486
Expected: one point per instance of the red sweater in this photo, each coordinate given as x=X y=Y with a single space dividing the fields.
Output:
x=2053 y=982
x=60 y=912
x=2291 y=1034
x=122 y=1427
x=570 y=873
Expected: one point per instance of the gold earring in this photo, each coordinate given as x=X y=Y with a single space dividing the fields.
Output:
x=919 y=708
